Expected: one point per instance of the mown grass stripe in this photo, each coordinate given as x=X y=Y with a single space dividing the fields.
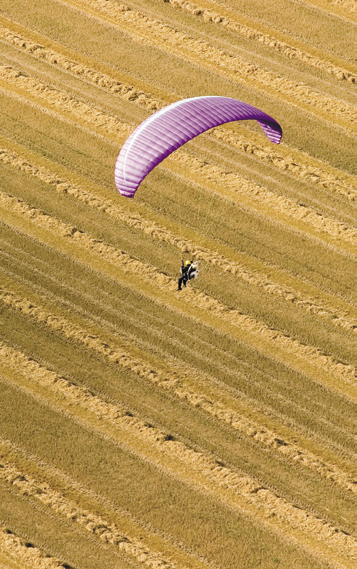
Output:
x=112 y=526
x=230 y=185
x=337 y=8
x=77 y=110
x=123 y=419
x=291 y=292
x=289 y=212
x=295 y=163
x=207 y=476
x=72 y=63
x=97 y=526
x=306 y=359
x=200 y=52
x=180 y=380
x=245 y=414
x=241 y=24
x=316 y=172
x=17 y=553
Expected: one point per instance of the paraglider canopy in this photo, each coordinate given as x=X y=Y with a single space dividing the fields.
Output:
x=174 y=125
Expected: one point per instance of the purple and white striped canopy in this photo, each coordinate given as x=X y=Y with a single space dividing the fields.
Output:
x=168 y=129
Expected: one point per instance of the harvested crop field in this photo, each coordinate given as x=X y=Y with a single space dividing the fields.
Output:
x=212 y=428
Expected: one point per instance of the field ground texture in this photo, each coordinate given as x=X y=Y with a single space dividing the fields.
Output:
x=142 y=427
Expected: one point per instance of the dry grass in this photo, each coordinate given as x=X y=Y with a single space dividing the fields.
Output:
x=140 y=427
x=153 y=32
x=240 y=24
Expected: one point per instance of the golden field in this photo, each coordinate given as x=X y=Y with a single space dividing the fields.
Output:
x=212 y=428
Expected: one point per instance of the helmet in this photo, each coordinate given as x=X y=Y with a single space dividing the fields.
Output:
x=188 y=263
